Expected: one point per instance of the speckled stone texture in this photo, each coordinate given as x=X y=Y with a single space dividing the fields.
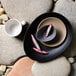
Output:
x=68 y=9
x=10 y=48
x=57 y=67
x=26 y=10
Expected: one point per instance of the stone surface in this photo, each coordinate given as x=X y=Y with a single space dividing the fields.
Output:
x=7 y=71
x=10 y=48
x=58 y=67
x=55 y=0
x=2 y=69
x=1 y=11
x=26 y=10
x=68 y=9
x=10 y=67
x=1 y=21
x=4 y=17
x=0 y=5
x=1 y=24
x=22 y=67
x=71 y=59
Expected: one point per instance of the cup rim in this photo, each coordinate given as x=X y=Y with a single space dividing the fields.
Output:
x=14 y=35
x=56 y=44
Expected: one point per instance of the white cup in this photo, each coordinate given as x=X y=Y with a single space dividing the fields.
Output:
x=13 y=27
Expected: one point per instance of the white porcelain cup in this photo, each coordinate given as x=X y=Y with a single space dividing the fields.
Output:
x=13 y=27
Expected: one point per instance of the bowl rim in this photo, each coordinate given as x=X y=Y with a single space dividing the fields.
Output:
x=52 y=52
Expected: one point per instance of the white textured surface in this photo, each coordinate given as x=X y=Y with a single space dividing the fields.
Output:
x=26 y=10
x=58 y=67
x=10 y=48
x=68 y=9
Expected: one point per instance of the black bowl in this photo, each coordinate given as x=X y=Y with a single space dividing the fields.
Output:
x=53 y=52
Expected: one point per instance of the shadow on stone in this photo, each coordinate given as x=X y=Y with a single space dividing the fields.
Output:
x=24 y=28
x=72 y=71
x=53 y=5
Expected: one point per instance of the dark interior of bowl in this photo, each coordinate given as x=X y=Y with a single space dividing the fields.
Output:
x=41 y=34
x=53 y=52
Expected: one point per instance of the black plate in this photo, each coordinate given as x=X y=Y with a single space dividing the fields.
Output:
x=52 y=52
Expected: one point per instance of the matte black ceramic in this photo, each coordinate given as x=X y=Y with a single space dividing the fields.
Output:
x=52 y=52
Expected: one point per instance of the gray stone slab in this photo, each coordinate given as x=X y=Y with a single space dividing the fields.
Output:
x=10 y=48
x=57 y=67
x=26 y=10
x=68 y=9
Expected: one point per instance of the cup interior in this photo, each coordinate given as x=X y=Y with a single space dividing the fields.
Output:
x=61 y=31
x=41 y=34
x=13 y=27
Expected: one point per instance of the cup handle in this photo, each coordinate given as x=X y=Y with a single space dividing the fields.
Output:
x=23 y=23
